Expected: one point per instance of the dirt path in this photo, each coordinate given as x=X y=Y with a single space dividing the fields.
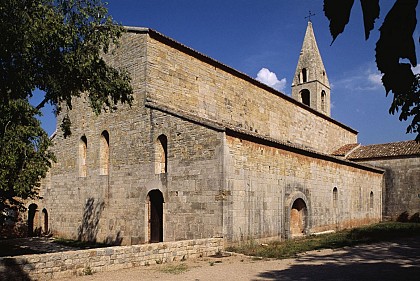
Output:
x=398 y=260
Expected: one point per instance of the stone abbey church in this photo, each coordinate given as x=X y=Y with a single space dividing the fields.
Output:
x=207 y=151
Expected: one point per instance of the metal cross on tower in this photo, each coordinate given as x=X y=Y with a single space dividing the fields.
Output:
x=310 y=15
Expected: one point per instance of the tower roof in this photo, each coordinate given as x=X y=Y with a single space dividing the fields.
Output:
x=310 y=58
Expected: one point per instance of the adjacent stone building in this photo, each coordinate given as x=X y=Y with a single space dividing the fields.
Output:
x=206 y=151
x=401 y=162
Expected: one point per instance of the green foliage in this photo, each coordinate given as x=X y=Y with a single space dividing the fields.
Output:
x=395 y=44
x=24 y=155
x=290 y=248
x=55 y=46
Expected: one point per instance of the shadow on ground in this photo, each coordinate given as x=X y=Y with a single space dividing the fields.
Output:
x=398 y=260
x=11 y=269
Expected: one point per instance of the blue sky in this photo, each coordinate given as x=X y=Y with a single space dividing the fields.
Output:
x=252 y=35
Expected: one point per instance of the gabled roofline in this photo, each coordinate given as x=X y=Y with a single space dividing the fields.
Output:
x=185 y=49
x=255 y=137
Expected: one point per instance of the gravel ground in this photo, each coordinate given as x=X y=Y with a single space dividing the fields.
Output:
x=398 y=260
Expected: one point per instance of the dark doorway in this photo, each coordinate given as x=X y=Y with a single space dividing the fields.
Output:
x=298 y=218
x=32 y=219
x=155 y=216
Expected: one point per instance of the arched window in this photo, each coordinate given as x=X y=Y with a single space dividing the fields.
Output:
x=45 y=220
x=82 y=156
x=161 y=155
x=371 y=200
x=335 y=197
x=305 y=96
x=323 y=97
x=304 y=75
x=104 y=154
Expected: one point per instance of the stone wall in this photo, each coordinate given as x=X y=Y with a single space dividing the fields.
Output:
x=113 y=208
x=192 y=100
x=83 y=262
x=401 y=194
x=264 y=180
x=184 y=79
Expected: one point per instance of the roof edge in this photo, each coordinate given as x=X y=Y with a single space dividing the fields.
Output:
x=181 y=47
x=286 y=145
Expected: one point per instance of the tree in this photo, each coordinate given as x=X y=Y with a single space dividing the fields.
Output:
x=55 y=46
x=395 y=45
x=24 y=155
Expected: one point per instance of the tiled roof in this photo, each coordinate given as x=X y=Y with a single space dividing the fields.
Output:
x=394 y=149
x=344 y=150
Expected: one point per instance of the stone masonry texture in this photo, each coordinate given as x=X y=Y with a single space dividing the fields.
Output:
x=238 y=157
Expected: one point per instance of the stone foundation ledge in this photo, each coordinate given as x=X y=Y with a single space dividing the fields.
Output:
x=85 y=262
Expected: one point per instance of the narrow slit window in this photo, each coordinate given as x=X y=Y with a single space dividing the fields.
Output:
x=161 y=155
x=82 y=156
x=304 y=75
x=335 y=197
x=371 y=200
x=104 y=153
x=323 y=96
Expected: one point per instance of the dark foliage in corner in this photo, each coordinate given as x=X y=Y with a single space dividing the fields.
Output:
x=55 y=46
x=395 y=44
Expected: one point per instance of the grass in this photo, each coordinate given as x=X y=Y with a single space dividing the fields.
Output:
x=79 y=244
x=362 y=235
x=174 y=269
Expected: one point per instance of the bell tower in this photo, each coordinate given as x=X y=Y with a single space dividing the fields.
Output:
x=310 y=84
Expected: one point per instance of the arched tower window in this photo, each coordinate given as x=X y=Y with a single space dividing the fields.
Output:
x=304 y=75
x=104 y=153
x=335 y=197
x=161 y=155
x=323 y=98
x=82 y=156
x=305 y=96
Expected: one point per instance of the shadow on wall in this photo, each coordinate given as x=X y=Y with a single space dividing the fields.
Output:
x=88 y=230
x=405 y=217
x=114 y=241
x=92 y=212
x=12 y=270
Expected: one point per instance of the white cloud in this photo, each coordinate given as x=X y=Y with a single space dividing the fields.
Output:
x=270 y=79
x=375 y=78
x=416 y=69
x=360 y=80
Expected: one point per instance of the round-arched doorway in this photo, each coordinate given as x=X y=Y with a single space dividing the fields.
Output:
x=298 y=216
x=155 y=206
x=32 y=220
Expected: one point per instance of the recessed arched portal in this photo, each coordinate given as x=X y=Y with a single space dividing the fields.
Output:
x=155 y=202
x=32 y=219
x=298 y=215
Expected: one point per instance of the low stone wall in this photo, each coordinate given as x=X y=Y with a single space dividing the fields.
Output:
x=84 y=262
